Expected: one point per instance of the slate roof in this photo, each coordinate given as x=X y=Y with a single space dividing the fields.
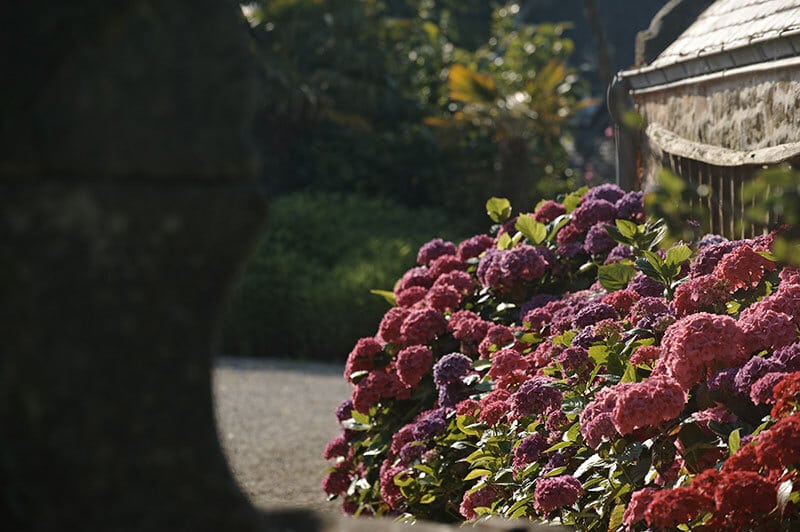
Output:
x=732 y=24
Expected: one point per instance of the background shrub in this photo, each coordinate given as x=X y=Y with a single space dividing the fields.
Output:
x=306 y=291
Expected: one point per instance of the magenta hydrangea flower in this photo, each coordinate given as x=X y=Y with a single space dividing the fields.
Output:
x=497 y=337
x=338 y=481
x=410 y=296
x=593 y=212
x=647 y=403
x=362 y=357
x=699 y=344
x=413 y=363
x=507 y=269
x=598 y=240
x=414 y=277
x=786 y=300
x=621 y=300
x=389 y=328
x=423 y=325
x=443 y=298
x=336 y=448
x=552 y=493
x=534 y=396
x=401 y=438
x=461 y=281
x=788 y=357
x=390 y=492
x=790 y=276
x=473 y=247
x=494 y=406
x=548 y=211
x=446 y=264
x=570 y=234
x=433 y=250
x=480 y=498
x=529 y=450
x=573 y=359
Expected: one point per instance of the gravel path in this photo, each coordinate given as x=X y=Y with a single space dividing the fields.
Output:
x=274 y=418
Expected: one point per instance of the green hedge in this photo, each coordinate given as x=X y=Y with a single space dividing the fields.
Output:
x=305 y=293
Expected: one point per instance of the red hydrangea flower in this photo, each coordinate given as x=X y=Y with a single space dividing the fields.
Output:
x=670 y=508
x=497 y=337
x=779 y=446
x=377 y=385
x=745 y=459
x=336 y=448
x=743 y=268
x=480 y=498
x=647 y=403
x=787 y=395
x=743 y=496
x=390 y=492
x=569 y=234
x=699 y=344
x=413 y=363
x=552 y=493
x=435 y=249
x=494 y=406
x=423 y=325
x=548 y=211
x=362 y=357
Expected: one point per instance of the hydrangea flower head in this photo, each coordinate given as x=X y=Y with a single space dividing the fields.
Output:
x=480 y=498
x=433 y=250
x=412 y=363
x=473 y=247
x=552 y=493
x=548 y=211
x=591 y=212
x=535 y=396
x=598 y=240
x=647 y=403
x=423 y=325
x=743 y=268
x=631 y=206
x=607 y=191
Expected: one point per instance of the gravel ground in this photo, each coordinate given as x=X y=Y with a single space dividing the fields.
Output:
x=274 y=418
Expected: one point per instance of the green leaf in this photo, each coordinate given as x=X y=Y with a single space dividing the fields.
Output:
x=504 y=242
x=477 y=473
x=627 y=228
x=630 y=373
x=573 y=405
x=358 y=417
x=615 y=276
x=734 y=441
x=534 y=231
x=615 y=521
x=425 y=469
x=498 y=209
x=482 y=364
x=646 y=268
x=678 y=254
x=388 y=295
x=587 y=464
x=428 y=498
x=573 y=199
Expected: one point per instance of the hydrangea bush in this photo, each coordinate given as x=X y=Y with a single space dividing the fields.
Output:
x=564 y=368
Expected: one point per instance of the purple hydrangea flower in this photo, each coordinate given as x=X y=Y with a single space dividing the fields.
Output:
x=710 y=240
x=620 y=252
x=594 y=312
x=345 y=410
x=593 y=212
x=552 y=493
x=724 y=381
x=451 y=368
x=573 y=358
x=788 y=357
x=537 y=301
x=431 y=425
x=598 y=240
x=529 y=450
x=645 y=286
x=434 y=249
x=451 y=394
x=607 y=191
x=472 y=247
x=755 y=368
x=708 y=257
x=631 y=206
x=534 y=397
x=586 y=338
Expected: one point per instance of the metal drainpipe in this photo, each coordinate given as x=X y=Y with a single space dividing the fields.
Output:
x=619 y=101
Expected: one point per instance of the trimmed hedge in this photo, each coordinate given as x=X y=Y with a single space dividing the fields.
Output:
x=305 y=293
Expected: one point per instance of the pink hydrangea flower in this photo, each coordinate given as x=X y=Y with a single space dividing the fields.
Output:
x=764 y=328
x=621 y=300
x=461 y=281
x=443 y=298
x=508 y=369
x=707 y=293
x=647 y=354
x=647 y=403
x=699 y=344
x=410 y=296
x=596 y=420
x=640 y=500
x=762 y=390
x=336 y=448
x=390 y=492
x=743 y=268
x=337 y=481
x=362 y=357
x=446 y=264
x=497 y=337
x=414 y=277
x=389 y=328
x=473 y=247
